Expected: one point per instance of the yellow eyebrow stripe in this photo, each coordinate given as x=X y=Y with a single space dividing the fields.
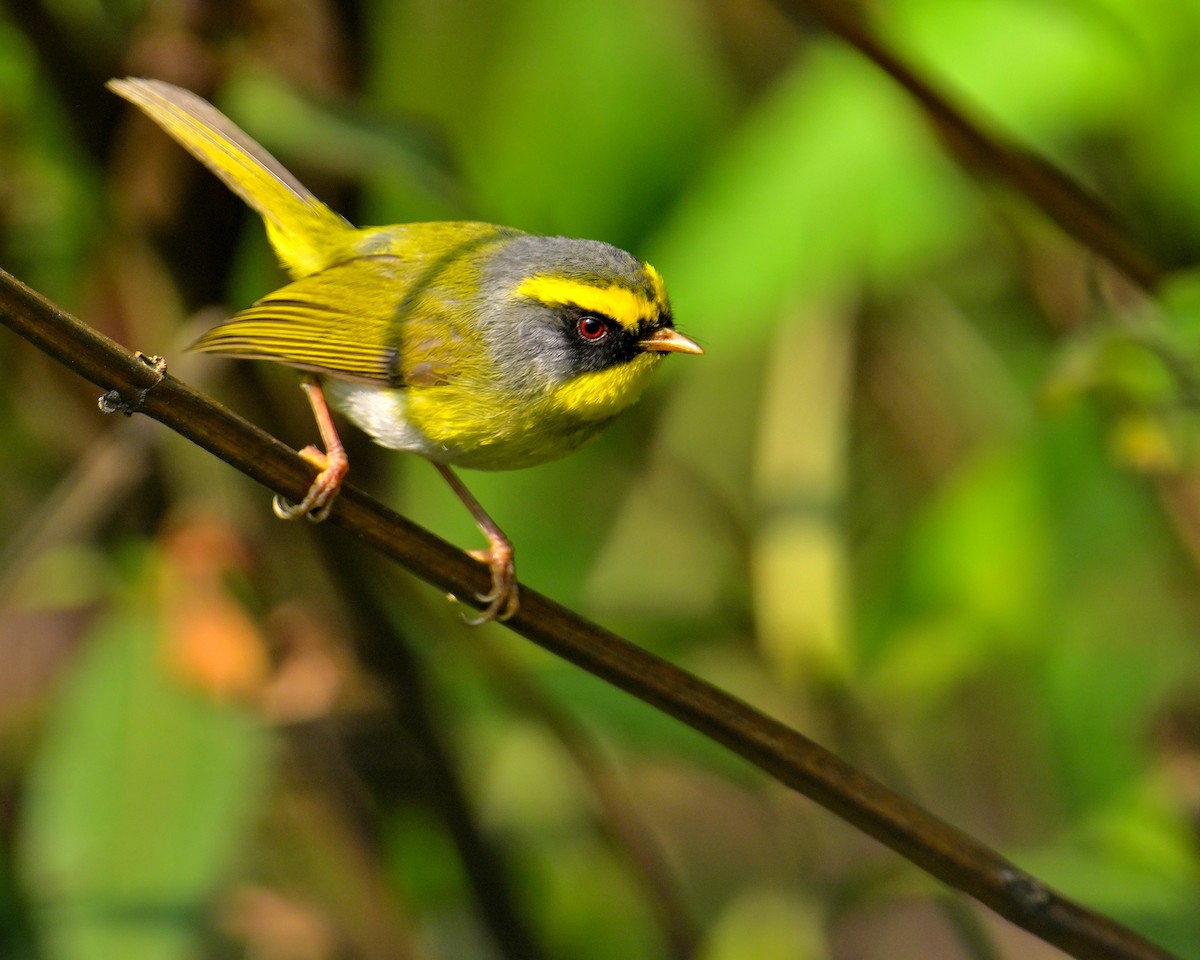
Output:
x=625 y=306
x=656 y=281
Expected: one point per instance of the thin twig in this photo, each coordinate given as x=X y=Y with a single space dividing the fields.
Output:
x=1053 y=191
x=954 y=857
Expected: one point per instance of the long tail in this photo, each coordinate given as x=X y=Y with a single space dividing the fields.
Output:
x=305 y=233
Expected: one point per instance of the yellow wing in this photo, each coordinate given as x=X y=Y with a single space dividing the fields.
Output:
x=384 y=305
x=306 y=234
x=339 y=322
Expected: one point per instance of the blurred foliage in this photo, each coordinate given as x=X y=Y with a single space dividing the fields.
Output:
x=934 y=490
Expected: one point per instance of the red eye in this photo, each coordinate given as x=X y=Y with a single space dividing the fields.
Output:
x=592 y=328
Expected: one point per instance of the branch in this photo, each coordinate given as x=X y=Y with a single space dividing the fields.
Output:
x=1053 y=191
x=135 y=385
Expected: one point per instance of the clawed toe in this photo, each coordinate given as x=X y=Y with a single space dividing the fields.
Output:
x=283 y=508
x=331 y=462
x=314 y=508
x=318 y=502
x=503 y=600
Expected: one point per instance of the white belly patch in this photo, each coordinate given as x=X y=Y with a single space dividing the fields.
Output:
x=380 y=412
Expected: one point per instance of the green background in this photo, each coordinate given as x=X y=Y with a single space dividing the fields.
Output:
x=931 y=495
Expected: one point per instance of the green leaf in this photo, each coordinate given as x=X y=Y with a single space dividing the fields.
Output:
x=833 y=175
x=139 y=800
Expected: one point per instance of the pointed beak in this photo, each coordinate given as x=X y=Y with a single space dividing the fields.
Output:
x=669 y=340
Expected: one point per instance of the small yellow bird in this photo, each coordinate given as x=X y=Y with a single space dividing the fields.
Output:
x=467 y=343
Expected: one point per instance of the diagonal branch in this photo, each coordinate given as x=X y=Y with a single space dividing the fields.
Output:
x=1053 y=191
x=945 y=852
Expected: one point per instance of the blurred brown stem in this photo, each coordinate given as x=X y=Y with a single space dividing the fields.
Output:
x=1050 y=189
x=75 y=66
x=136 y=384
x=617 y=811
x=389 y=656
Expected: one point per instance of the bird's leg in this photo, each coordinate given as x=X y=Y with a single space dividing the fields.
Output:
x=331 y=461
x=502 y=600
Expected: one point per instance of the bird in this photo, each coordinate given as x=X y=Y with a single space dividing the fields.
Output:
x=470 y=344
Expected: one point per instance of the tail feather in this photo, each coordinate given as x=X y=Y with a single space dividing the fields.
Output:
x=305 y=233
